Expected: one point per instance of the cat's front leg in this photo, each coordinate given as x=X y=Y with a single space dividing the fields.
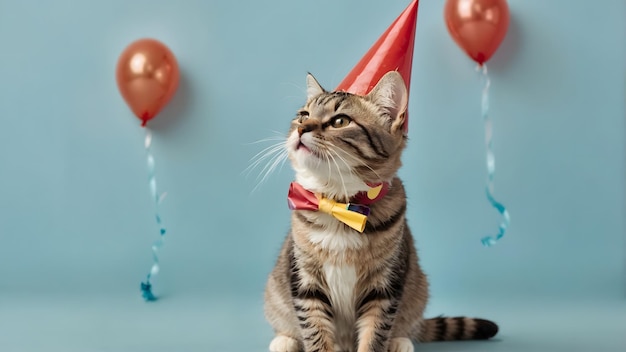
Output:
x=376 y=316
x=315 y=318
x=311 y=304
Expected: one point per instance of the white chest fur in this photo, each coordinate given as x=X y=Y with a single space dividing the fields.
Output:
x=341 y=281
x=340 y=276
x=337 y=242
x=335 y=238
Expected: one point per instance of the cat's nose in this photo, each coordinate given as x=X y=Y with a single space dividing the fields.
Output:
x=304 y=129
x=307 y=126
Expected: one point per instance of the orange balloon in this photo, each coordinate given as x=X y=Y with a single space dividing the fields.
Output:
x=477 y=26
x=147 y=76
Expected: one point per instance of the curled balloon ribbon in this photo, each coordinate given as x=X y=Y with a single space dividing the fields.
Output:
x=353 y=215
x=146 y=287
x=489 y=241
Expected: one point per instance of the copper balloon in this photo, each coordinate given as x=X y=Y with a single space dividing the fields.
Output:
x=147 y=77
x=477 y=26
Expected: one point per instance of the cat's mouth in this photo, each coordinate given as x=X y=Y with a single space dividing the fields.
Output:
x=307 y=151
x=306 y=147
x=303 y=146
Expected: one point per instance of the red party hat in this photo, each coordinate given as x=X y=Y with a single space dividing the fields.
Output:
x=393 y=51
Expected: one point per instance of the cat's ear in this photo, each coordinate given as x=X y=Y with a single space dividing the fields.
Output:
x=313 y=88
x=391 y=94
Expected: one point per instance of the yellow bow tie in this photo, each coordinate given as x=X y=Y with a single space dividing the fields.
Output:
x=353 y=215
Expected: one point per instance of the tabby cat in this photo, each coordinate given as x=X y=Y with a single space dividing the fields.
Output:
x=334 y=288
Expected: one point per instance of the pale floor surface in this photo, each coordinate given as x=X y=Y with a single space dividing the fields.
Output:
x=180 y=323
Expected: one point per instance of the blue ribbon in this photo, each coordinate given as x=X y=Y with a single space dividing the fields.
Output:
x=146 y=287
x=489 y=241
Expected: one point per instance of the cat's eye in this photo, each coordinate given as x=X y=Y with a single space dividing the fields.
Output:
x=303 y=116
x=340 y=121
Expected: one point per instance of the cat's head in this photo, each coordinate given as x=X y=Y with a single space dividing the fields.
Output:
x=340 y=141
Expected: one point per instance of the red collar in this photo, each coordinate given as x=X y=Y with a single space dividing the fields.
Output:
x=376 y=192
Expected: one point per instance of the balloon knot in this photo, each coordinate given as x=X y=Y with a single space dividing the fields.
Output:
x=480 y=58
x=145 y=117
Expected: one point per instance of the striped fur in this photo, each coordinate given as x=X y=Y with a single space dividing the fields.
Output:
x=334 y=289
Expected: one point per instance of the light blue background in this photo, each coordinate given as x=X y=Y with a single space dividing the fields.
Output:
x=76 y=221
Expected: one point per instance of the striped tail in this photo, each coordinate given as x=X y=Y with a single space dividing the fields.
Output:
x=457 y=328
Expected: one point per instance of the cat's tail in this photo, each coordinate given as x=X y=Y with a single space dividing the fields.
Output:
x=457 y=328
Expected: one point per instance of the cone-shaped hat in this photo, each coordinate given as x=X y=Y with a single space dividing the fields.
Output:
x=393 y=51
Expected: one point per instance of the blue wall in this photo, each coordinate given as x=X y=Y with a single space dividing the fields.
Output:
x=76 y=215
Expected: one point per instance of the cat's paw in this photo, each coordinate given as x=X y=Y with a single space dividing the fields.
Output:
x=400 y=344
x=283 y=343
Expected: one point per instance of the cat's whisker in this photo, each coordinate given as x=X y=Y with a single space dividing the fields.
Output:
x=279 y=148
x=279 y=134
x=271 y=163
x=352 y=172
x=268 y=169
x=271 y=157
x=345 y=162
x=319 y=163
x=330 y=171
x=324 y=151
x=266 y=166
x=268 y=139
x=343 y=182
x=284 y=158
x=358 y=160
x=264 y=154
x=281 y=144
x=277 y=161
